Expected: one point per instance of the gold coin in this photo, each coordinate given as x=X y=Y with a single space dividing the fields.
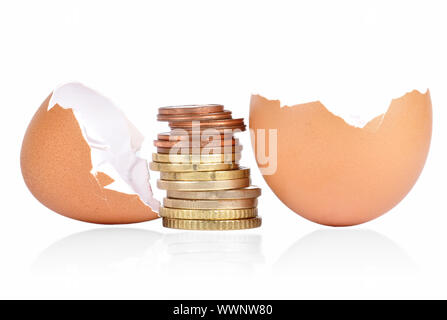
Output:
x=246 y=193
x=210 y=204
x=203 y=185
x=201 y=150
x=212 y=225
x=208 y=214
x=186 y=167
x=196 y=158
x=207 y=175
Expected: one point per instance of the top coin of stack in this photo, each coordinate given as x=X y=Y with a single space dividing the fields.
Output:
x=199 y=167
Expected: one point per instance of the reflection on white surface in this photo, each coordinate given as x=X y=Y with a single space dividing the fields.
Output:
x=345 y=252
x=126 y=262
x=96 y=251
x=346 y=263
x=122 y=251
x=211 y=253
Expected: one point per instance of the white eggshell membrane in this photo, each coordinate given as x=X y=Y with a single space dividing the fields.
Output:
x=113 y=140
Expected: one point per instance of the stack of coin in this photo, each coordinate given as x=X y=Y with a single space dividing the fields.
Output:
x=199 y=167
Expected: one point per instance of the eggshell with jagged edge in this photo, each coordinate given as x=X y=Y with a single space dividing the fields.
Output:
x=336 y=174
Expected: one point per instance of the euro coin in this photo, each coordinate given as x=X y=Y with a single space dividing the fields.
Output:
x=207 y=175
x=208 y=214
x=188 y=109
x=245 y=193
x=197 y=128
x=210 y=204
x=185 y=167
x=203 y=151
x=186 y=135
x=203 y=185
x=195 y=144
x=195 y=116
x=226 y=123
x=196 y=158
x=212 y=225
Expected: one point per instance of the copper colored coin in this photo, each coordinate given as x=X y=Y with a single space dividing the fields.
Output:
x=195 y=116
x=229 y=123
x=167 y=136
x=193 y=108
x=212 y=150
x=187 y=167
x=189 y=135
x=188 y=144
x=213 y=130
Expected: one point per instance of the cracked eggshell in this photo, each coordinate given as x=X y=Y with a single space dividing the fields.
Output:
x=336 y=174
x=79 y=158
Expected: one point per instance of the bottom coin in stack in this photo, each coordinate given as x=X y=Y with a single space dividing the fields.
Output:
x=208 y=214
x=212 y=225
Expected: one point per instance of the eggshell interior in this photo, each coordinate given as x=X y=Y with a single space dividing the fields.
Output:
x=57 y=165
x=336 y=174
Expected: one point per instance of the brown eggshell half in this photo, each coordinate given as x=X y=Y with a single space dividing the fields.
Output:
x=338 y=175
x=56 y=165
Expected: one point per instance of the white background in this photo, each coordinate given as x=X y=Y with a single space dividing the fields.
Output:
x=353 y=55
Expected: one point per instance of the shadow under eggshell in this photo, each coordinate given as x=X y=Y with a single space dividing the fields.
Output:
x=56 y=165
x=335 y=174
